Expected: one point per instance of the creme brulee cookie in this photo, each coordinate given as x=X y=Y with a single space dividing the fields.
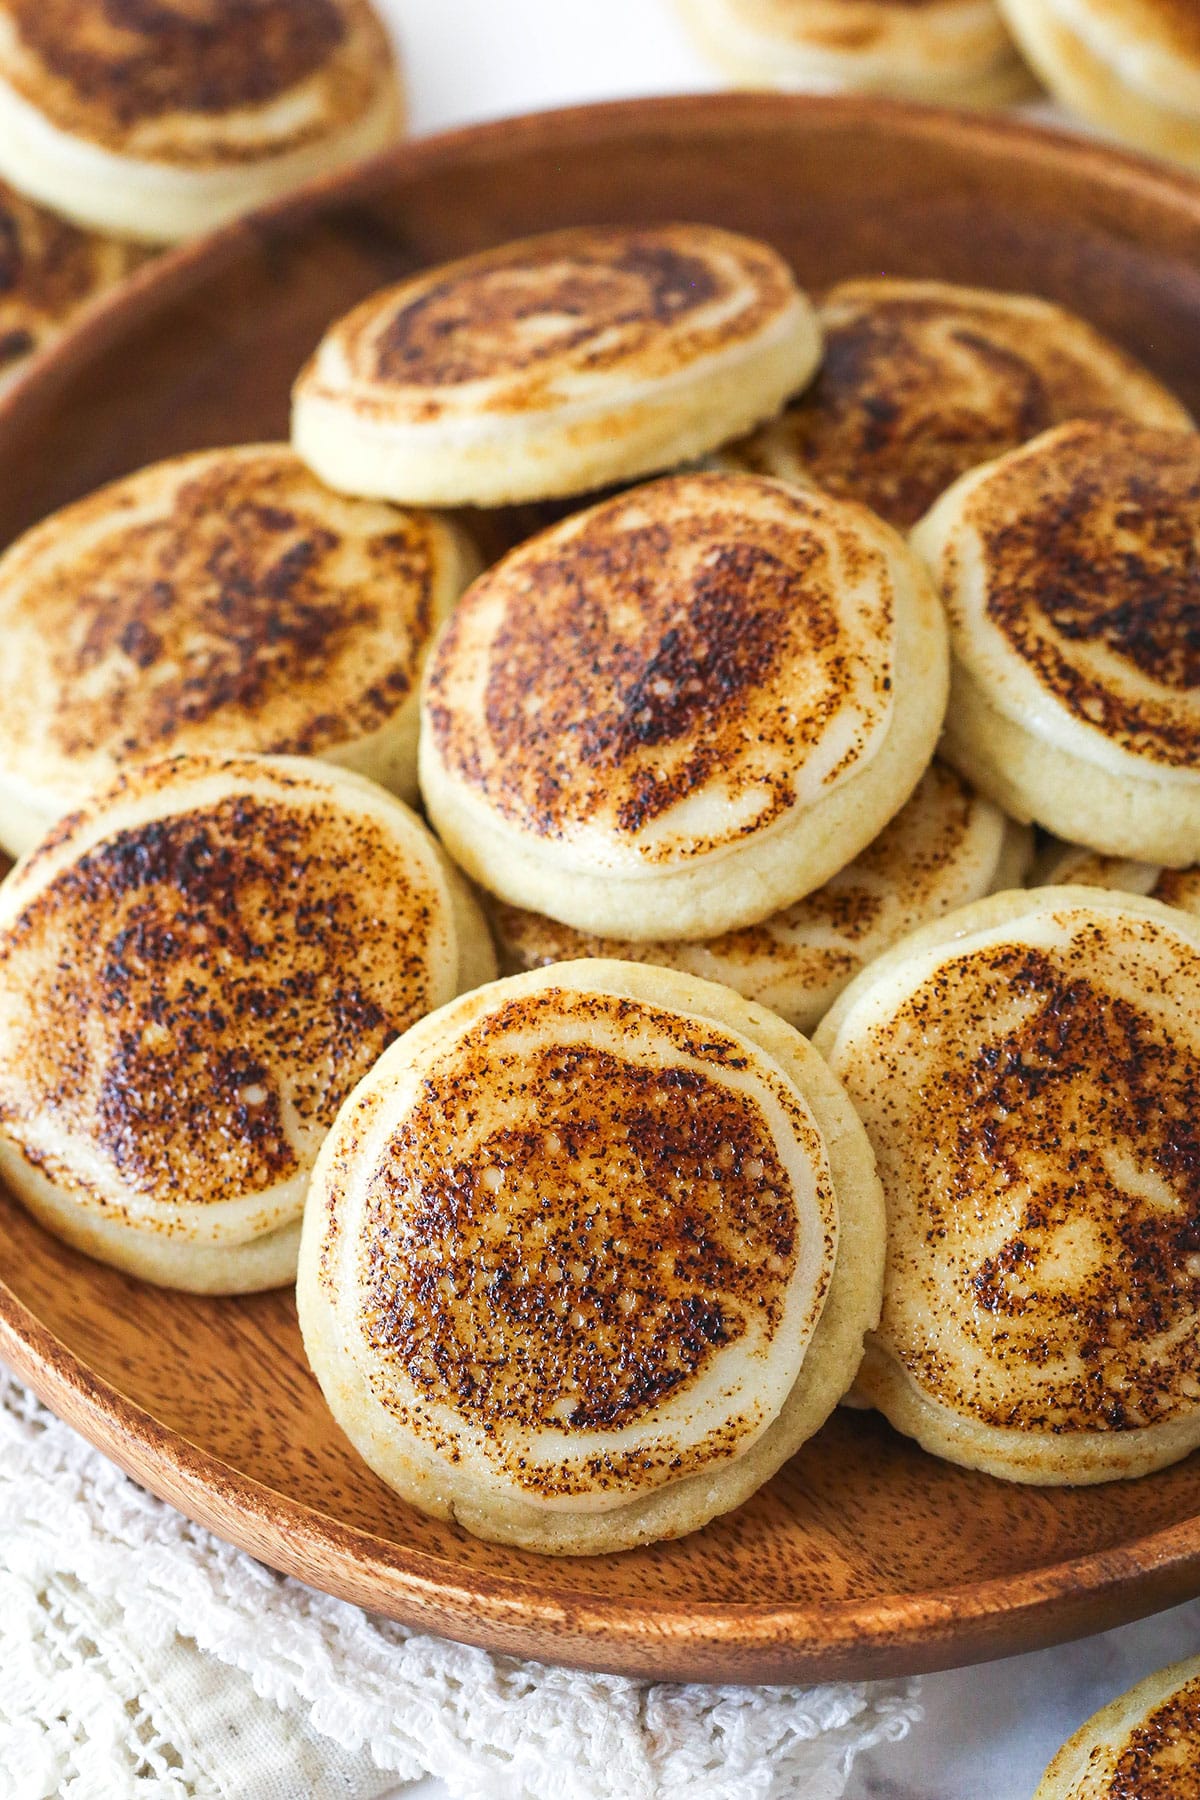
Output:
x=955 y=51
x=221 y=601
x=1069 y=569
x=945 y=847
x=1130 y=66
x=588 y=1255
x=49 y=271
x=555 y=365
x=157 y=122
x=1070 y=863
x=195 y=969
x=1028 y=1072
x=1144 y=1746
x=922 y=380
x=684 y=709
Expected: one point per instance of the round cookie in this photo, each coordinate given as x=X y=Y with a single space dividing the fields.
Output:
x=220 y=601
x=923 y=380
x=554 y=365
x=1144 y=1746
x=684 y=709
x=1028 y=1072
x=49 y=271
x=954 y=51
x=1068 y=569
x=1070 y=863
x=195 y=969
x=1131 y=67
x=158 y=122
x=945 y=847
x=588 y=1255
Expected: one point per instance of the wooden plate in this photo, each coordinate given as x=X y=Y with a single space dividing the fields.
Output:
x=863 y=1557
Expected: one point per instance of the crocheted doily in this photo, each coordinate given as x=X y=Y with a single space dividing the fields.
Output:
x=143 y=1659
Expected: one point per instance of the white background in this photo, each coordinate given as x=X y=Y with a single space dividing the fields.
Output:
x=988 y=1732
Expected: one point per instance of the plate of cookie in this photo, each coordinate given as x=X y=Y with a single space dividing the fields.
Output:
x=598 y=995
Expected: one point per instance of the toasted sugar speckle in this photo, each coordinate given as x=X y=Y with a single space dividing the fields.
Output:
x=1035 y=1113
x=921 y=865
x=225 y=599
x=48 y=268
x=527 y=322
x=192 y=999
x=1092 y=549
x=690 y=635
x=917 y=387
x=1161 y=1758
x=109 y=72
x=560 y=1238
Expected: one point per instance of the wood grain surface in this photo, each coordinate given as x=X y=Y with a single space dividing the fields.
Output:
x=863 y=1557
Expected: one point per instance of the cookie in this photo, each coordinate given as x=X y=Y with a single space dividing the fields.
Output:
x=947 y=846
x=587 y=1255
x=554 y=365
x=195 y=969
x=160 y=122
x=684 y=709
x=922 y=381
x=222 y=601
x=1144 y=1746
x=1028 y=1072
x=1067 y=570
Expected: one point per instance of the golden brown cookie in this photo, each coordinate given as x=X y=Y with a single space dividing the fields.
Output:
x=555 y=365
x=1144 y=1746
x=1028 y=1072
x=1069 y=570
x=1070 y=863
x=49 y=271
x=1130 y=66
x=922 y=381
x=195 y=969
x=675 y=713
x=588 y=1255
x=219 y=601
x=946 y=846
x=955 y=51
x=160 y=121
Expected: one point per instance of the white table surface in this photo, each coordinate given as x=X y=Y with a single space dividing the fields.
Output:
x=988 y=1732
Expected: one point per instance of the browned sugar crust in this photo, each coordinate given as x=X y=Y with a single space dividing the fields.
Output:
x=48 y=270
x=581 y=1264
x=913 y=392
x=1016 y=1136
x=240 y=606
x=179 y=985
x=583 y=301
x=1095 y=541
x=652 y=647
x=1161 y=1760
x=911 y=855
x=102 y=68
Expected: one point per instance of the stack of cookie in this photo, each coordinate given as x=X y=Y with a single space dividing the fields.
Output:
x=123 y=125
x=588 y=1251
x=1130 y=67
x=957 y=52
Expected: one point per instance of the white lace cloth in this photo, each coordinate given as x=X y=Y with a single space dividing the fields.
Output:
x=143 y=1659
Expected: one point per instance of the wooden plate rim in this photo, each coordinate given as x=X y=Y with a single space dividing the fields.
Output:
x=256 y=1517
x=892 y=1634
